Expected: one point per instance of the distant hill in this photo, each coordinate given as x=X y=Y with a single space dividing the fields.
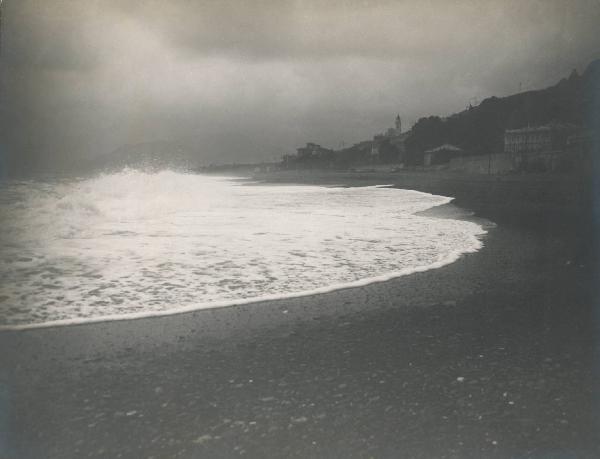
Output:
x=480 y=129
x=149 y=156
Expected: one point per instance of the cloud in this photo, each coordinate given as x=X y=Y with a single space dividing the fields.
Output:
x=244 y=80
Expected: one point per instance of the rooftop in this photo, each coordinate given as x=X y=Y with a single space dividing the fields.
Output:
x=445 y=147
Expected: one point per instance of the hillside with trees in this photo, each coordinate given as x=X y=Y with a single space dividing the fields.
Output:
x=480 y=129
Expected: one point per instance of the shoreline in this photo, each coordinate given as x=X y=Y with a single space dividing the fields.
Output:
x=372 y=370
x=444 y=211
x=530 y=200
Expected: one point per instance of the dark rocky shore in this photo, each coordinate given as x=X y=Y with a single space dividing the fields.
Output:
x=494 y=355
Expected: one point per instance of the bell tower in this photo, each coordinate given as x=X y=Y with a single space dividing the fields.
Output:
x=398 y=125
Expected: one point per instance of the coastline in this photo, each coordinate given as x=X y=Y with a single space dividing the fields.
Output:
x=528 y=200
x=494 y=318
x=444 y=211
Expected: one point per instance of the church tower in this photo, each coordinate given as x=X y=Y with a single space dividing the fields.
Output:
x=398 y=125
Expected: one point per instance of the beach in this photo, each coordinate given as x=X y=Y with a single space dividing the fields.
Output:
x=490 y=356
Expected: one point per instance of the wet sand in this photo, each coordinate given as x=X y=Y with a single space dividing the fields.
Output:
x=491 y=356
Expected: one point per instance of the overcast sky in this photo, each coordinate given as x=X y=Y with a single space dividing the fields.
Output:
x=250 y=80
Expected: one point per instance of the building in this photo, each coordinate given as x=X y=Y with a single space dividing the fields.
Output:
x=552 y=137
x=528 y=139
x=389 y=147
x=309 y=151
x=441 y=155
x=539 y=147
x=311 y=155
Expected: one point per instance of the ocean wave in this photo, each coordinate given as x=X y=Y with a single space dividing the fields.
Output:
x=135 y=244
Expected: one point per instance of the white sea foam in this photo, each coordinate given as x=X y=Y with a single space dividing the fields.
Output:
x=134 y=244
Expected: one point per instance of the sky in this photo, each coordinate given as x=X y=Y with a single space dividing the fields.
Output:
x=242 y=81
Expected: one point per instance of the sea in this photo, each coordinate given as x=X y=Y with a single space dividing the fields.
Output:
x=138 y=244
